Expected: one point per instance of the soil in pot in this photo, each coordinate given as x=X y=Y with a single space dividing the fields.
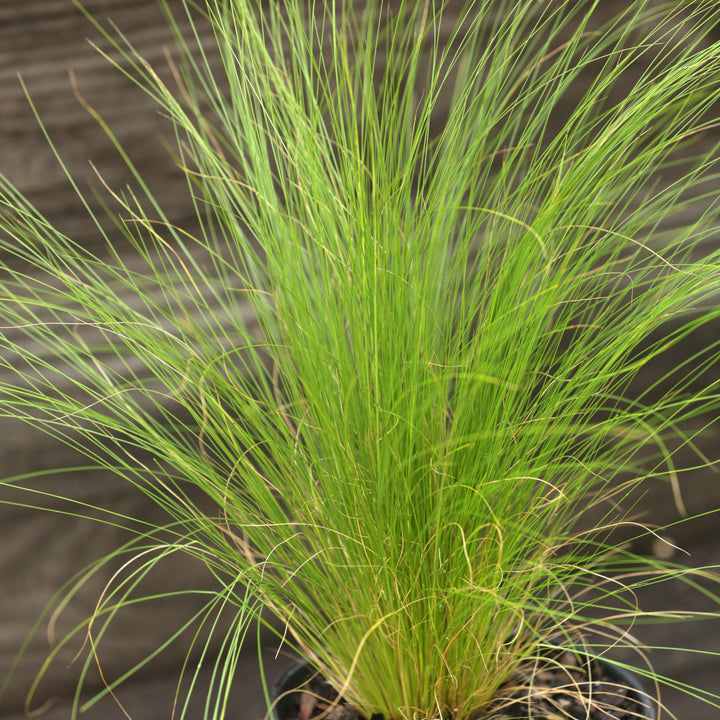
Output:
x=561 y=686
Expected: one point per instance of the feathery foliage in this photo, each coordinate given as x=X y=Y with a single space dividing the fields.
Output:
x=396 y=348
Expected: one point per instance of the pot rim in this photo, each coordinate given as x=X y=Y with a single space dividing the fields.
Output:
x=301 y=670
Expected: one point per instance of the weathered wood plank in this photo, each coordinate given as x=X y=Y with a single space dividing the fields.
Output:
x=45 y=41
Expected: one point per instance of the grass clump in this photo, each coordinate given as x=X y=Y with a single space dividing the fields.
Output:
x=396 y=352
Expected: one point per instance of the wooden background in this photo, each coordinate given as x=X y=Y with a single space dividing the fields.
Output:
x=46 y=42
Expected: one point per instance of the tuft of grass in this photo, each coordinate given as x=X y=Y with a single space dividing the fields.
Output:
x=396 y=351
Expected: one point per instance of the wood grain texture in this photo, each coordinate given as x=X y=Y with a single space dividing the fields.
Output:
x=48 y=48
x=46 y=41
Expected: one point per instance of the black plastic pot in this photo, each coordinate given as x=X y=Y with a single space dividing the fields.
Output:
x=298 y=673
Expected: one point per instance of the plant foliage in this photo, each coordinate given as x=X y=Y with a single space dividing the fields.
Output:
x=396 y=351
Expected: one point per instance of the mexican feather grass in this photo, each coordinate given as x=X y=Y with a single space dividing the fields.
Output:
x=395 y=352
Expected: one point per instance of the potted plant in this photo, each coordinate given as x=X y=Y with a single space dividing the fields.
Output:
x=395 y=357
